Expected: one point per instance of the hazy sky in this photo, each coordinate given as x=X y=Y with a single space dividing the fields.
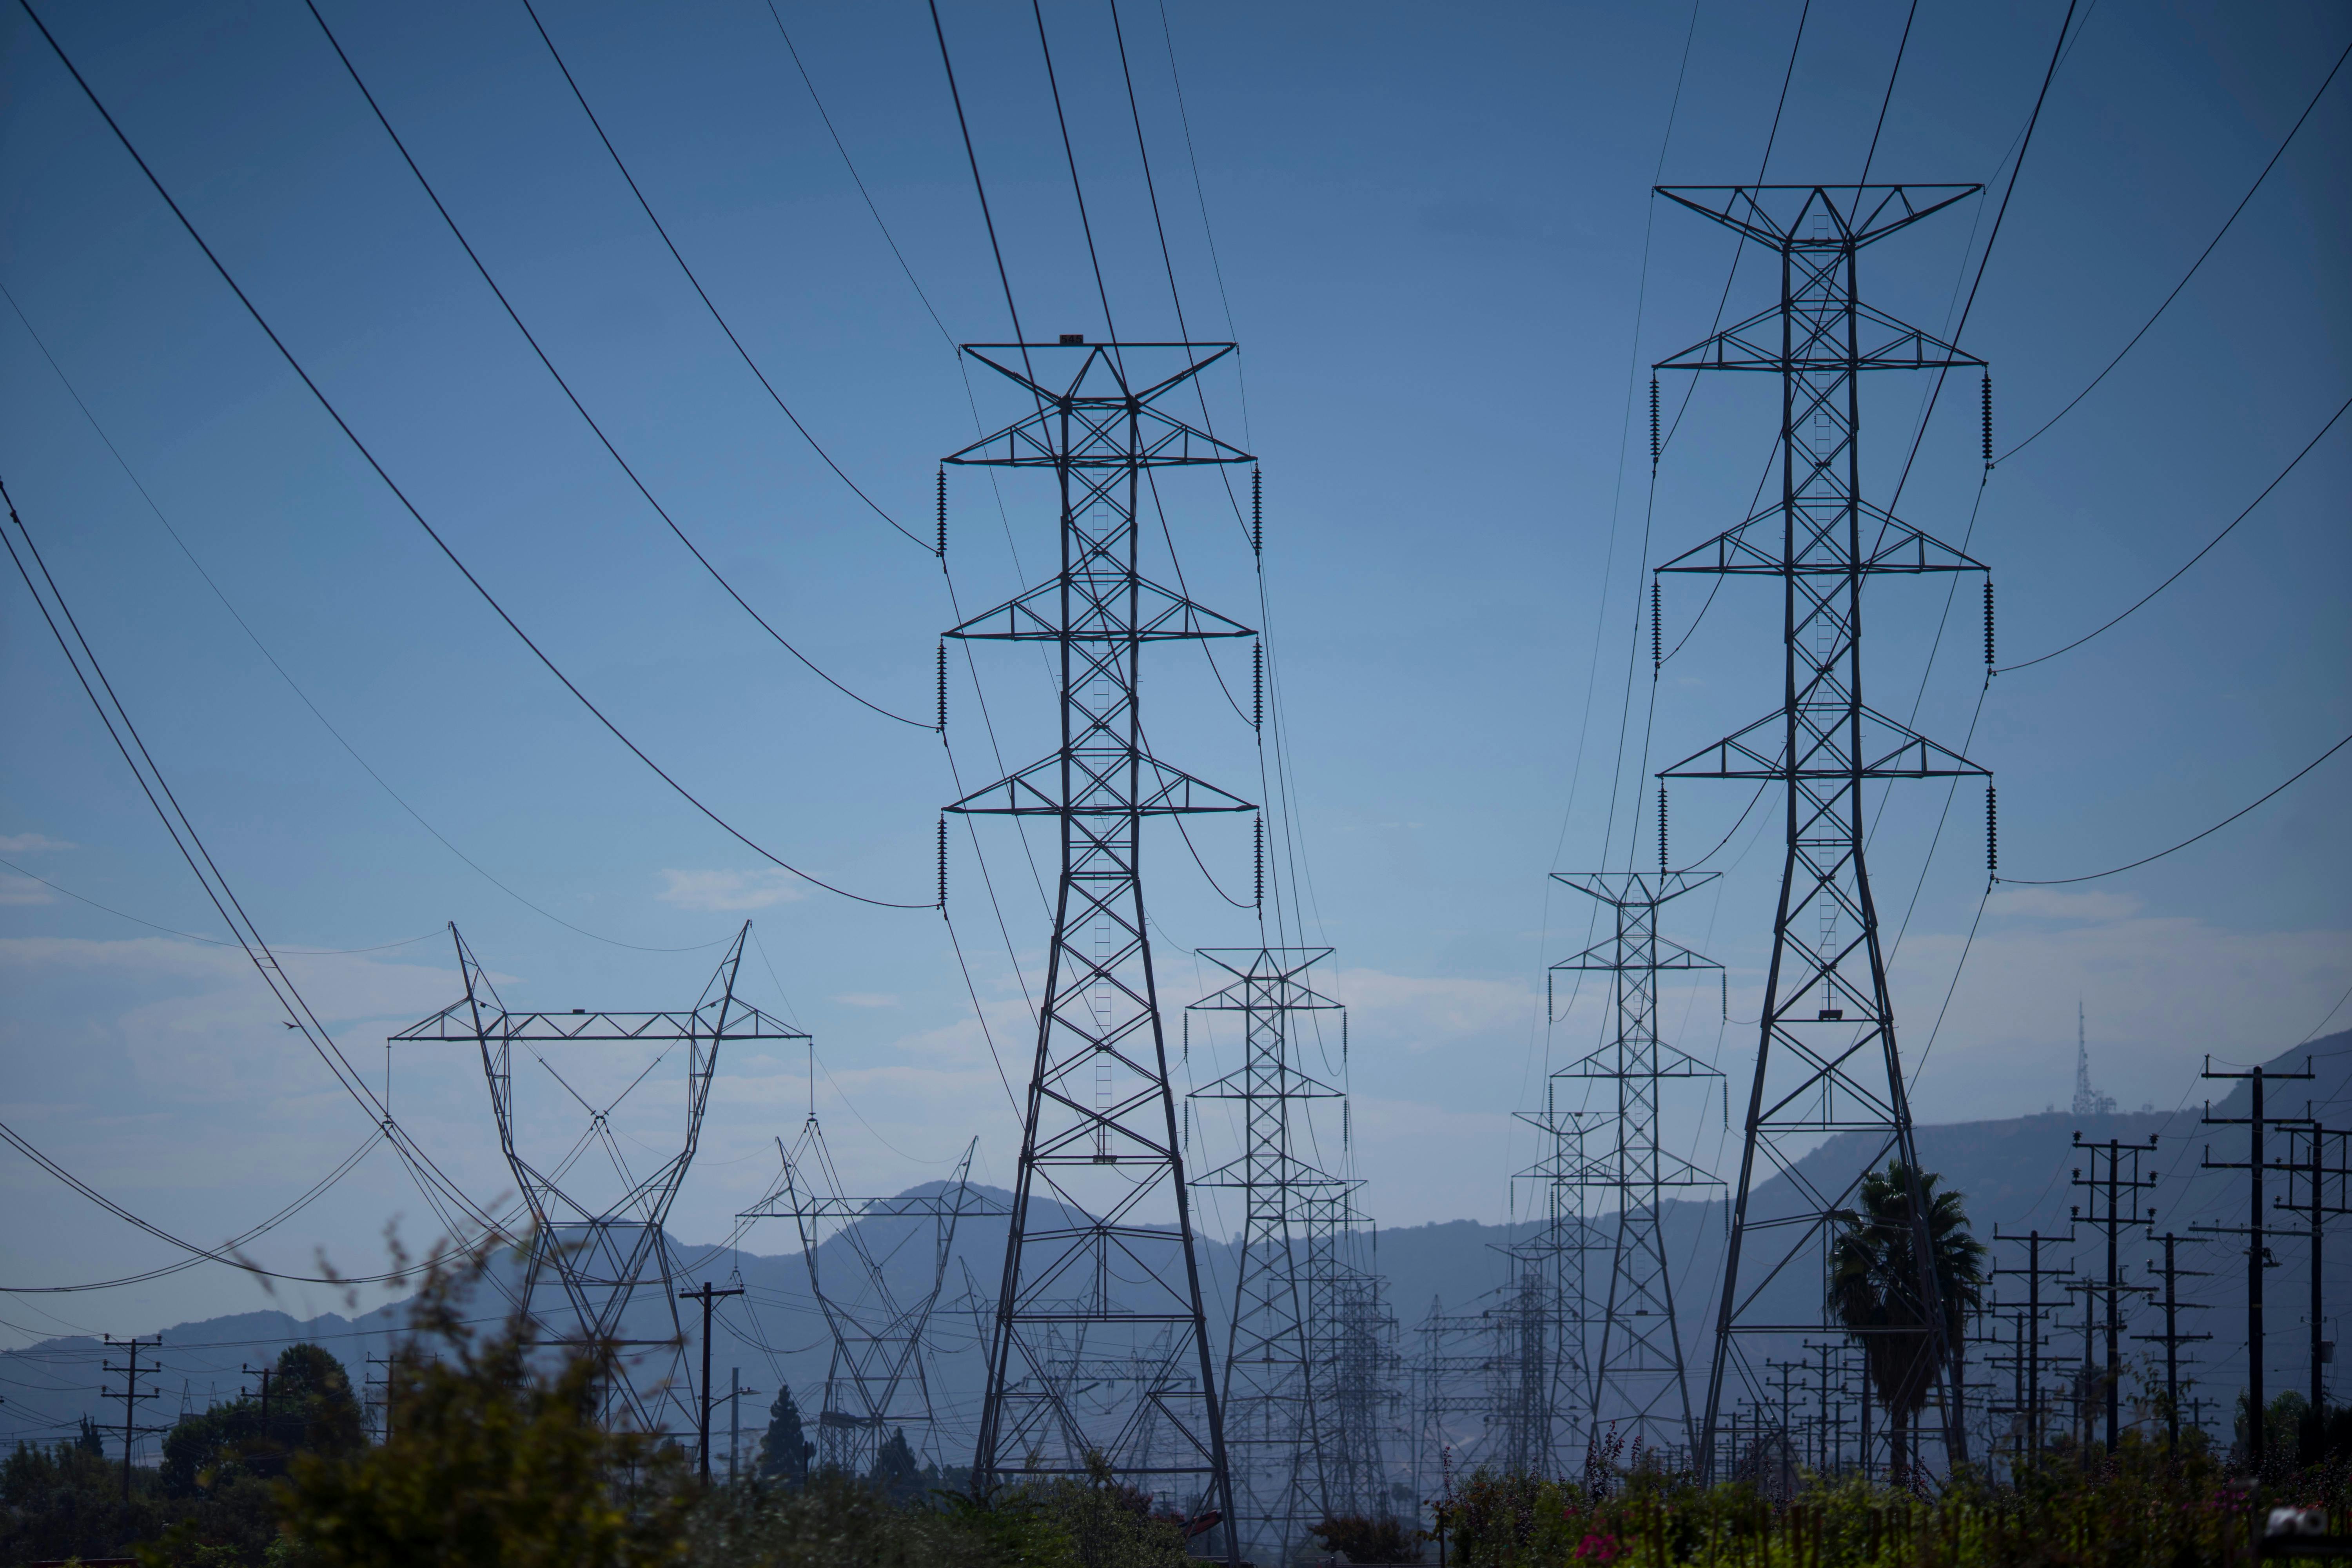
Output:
x=1435 y=241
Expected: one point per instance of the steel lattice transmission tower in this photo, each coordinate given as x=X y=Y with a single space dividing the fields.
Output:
x=1541 y=1325
x=1826 y=1058
x=1273 y=1439
x=1107 y=1259
x=877 y=1381
x=1638 y=1374
x=596 y=1222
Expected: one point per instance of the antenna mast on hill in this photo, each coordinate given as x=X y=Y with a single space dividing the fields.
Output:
x=1105 y=1275
x=2089 y=1101
x=1826 y=1059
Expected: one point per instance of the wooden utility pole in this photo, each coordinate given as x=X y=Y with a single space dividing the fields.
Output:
x=709 y=1296
x=132 y=1372
x=2258 y=1255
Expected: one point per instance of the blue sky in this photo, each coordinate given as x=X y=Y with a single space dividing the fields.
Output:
x=1435 y=241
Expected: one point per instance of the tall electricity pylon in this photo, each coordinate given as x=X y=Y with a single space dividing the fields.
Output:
x=602 y=1240
x=1109 y=1257
x=877 y=1381
x=1273 y=1439
x=1638 y=1376
x=1826 y=1058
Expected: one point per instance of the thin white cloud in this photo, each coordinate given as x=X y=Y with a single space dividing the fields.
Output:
x=866 y=999
x=1419 y=1013
x=22 y=890
x=30 y=843
x=729 y=891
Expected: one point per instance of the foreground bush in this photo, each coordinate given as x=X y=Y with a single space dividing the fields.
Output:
x=2141 y=1506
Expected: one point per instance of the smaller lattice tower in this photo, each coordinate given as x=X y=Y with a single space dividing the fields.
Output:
x=878 y=1303
x=597 y=1220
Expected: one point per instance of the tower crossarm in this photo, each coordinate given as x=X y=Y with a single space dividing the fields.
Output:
x=1756 y=547
x=1851 y=216
x=1759 y=345
x=1829 y=753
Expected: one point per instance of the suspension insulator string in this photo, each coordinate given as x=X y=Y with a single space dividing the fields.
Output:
x=1257 y=512
x=1988 y=421
x=1654 y=424
x=1992 y=834
x=1662 y=827
x=943 y=689
x=1257 y=687
x=1188 y=1039
x=1257 y=862
x=1657 y=642
x=942 y=550
x=943 y=865
x=1988 y=623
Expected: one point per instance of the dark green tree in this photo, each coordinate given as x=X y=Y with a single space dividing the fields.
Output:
x=895 y=1475
x=784 y=1453
x=1875 y=1288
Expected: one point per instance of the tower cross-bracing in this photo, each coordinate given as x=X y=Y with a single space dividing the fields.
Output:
x=1638 y=1376
x=1273 y=1439
x=1100 y=1267
x=597 y=1221
x=877 y=1381
x=1826 y=1058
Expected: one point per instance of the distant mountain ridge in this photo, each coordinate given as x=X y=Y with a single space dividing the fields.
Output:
x=2015 y=1173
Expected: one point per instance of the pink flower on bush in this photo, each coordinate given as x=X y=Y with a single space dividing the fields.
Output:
x=1598 y=1549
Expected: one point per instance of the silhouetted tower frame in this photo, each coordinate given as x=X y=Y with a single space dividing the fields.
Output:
x=603 y=1253
x=1640 y=1356
x=878 y=1380
x=1275 y=1424
x=1540 y=1387
x=1102 y=1150
x=1827 y=1060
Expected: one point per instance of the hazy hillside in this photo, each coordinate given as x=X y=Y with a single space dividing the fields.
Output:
x=2015 y=1173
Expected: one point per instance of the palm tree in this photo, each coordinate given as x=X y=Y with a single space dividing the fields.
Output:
x=1875 y=1286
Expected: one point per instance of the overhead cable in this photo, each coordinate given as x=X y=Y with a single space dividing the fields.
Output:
x=58 y=617
x=291 y=685
x=2285 y=142
x=2094 y=876
x=410 y=507
x=2193 y=560
x=224 y=1254
x=572 y=397
x=677 y=255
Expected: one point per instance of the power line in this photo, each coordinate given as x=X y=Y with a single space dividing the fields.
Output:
x=432 y=1181
x=579 y=407
x=2285 y=142
x=979 y=186
x=410 y=507
x=700 y=293
x=2200 y=555
x=263 y=648
x=2094 y=876
x=211 y=941
x=225 y=1253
